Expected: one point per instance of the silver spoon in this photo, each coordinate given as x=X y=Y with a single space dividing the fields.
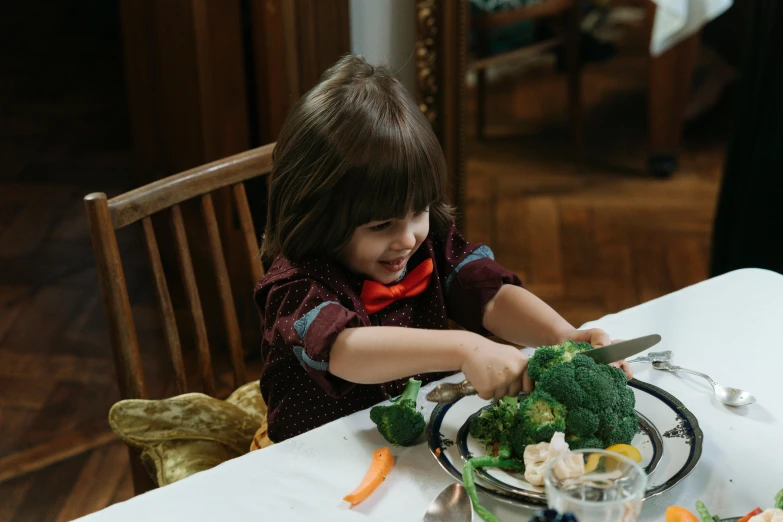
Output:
x=451 y=504
x=652 y=357
x=726 y=395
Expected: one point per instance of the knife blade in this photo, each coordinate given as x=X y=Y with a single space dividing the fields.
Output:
x=445 y=393
x=619 y=351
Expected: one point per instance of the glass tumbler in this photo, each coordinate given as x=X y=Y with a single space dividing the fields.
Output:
x=611 y=489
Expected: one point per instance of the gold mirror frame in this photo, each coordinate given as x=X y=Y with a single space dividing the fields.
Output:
x=441 y=48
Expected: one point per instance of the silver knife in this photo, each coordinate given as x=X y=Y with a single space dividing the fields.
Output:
x=622 y=350
x=447 y=392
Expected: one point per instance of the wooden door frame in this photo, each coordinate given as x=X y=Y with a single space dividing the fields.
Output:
x=441 y=50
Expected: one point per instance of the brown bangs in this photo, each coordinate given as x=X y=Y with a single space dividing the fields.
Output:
x=395 y=173
x=355 y=149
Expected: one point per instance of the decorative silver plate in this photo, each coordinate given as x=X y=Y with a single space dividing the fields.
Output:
x=670 y=442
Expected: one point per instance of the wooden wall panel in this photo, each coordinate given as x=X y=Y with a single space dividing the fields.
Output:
x=294 y=42
x=185 y=80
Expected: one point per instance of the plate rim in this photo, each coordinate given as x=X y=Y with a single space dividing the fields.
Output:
x=434 y=444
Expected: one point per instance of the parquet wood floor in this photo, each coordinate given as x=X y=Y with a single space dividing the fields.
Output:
x=591 y=237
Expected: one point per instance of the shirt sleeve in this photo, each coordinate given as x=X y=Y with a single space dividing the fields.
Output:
x=305 y=317
x=472 y=277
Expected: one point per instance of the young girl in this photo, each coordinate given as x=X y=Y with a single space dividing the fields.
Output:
x=367 y=267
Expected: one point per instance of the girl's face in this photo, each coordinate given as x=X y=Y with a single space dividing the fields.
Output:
x=379 y=250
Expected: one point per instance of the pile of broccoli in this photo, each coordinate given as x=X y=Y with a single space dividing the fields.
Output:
x=591 y=403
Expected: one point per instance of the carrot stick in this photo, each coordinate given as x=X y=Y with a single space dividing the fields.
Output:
x=381 y=465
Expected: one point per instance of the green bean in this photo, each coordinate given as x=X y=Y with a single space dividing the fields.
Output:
x=703 y=513
x=470 y=485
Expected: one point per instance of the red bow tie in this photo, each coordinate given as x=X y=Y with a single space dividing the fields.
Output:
x=377 y=296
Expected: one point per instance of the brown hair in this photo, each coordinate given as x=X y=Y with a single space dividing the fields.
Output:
x=355 y=148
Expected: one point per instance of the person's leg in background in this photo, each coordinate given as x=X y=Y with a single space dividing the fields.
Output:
x=748 y=229
x=719 y=61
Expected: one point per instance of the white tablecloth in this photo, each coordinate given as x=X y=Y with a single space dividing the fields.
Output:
x=727 y=327
x=676 y=20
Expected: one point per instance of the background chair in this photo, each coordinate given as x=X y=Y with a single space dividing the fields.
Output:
x=569 y=14
x=165 y=198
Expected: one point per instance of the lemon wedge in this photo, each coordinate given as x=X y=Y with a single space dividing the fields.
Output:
x=625 y=450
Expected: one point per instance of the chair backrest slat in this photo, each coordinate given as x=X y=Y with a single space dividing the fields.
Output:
x=132 y=206
x=111 y=277
x=225 y=295
x=168 y=320
x=248 y=232
x=194 y=302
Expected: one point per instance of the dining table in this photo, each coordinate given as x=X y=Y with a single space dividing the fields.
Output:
x=727 y=327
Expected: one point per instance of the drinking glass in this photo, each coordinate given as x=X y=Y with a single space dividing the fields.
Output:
x=611 y=490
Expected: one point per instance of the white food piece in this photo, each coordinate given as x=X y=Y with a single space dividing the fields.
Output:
x=557 y=446
x=768 y=515
x=570 y=466
x=537 y=456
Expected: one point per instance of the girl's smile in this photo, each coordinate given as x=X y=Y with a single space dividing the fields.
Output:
x=394 y=265
x=379 y=250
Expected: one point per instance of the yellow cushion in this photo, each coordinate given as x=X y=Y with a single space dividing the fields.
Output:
x=183 y=435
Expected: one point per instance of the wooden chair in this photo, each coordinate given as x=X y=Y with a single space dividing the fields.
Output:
x=165 y=196
x=569 y=11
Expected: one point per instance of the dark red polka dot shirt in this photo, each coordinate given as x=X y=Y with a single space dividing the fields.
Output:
x=305 y=306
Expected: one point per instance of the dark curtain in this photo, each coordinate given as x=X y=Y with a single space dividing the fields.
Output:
x=748 y=229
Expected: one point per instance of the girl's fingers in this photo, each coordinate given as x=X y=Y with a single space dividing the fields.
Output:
x=527 y=383
x=486 y=395
x=626 y=369
x=514 y=387
x=599 y=338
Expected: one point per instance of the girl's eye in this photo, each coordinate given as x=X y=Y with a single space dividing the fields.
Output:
x=381 y=226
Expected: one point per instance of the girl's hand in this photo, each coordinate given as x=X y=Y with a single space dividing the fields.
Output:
x=495 y=370
x=594 y=336
x=598 y=338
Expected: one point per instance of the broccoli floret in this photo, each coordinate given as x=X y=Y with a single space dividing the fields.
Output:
x=541 y=416
x=581 y=421
x=560 y=382
x=574 y=347
x=607 y=421
x=518 y=439
x=489 y=426
x=575 y=442
x=624 y=431
x=505 y=450
x=400 y=423
x=597 y=382
x=620 y=381
x=546 y=357
x=583 y=361
x=779 y=499
x=626 y=399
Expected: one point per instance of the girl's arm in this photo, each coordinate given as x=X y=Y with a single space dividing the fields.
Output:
x=520 y=317
x=376 y=354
